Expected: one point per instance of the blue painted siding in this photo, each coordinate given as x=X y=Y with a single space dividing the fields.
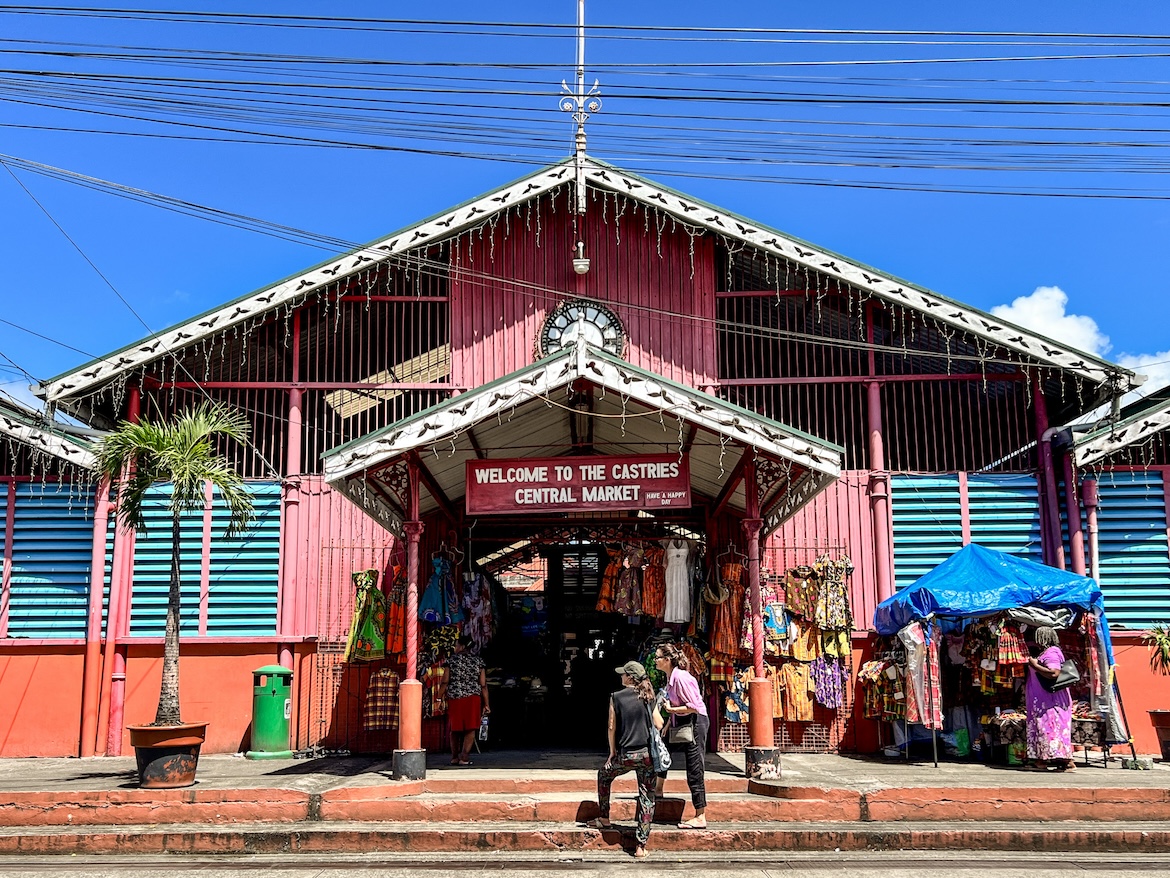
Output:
x=52 y=543
x=1005 y=514
x=1135 y=557
x=152 y=567
x=244 y=572
x=927 y=522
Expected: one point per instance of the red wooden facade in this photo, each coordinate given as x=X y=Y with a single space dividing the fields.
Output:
x=369 y=345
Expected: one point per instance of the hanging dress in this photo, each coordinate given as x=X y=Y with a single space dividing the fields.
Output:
x=439 y=603
x=628 y=599
x=367 y=631
x=609 y=580
x=678 y=581
x=653 y=583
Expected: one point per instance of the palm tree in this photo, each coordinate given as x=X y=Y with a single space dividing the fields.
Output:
x=136 y=456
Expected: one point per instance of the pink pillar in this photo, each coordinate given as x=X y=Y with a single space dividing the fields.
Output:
x=1049 y=505
x=879 y=495
x=760 y=729
x=291 y=609
x=1076 y=539
x=118 y=612
x=410 y=691
x=290 y=595
x=1089 y=493
x=92 y=679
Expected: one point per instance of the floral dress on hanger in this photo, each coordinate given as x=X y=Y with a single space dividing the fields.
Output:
x=440 y=603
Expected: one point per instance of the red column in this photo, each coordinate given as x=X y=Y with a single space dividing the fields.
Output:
x=410 y=692
x=1076 y=539
x=1089 y=493
x=118 y=613
x=1049 y=505
x=879 y=495
x=760 y=729
x=92 y=679
x=291 y=619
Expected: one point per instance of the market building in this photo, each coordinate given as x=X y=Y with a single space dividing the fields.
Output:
x=556 y=383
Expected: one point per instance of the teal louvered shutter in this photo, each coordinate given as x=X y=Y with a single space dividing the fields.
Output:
x=52 y=547
x=928 y=524
x=1132 y=544
x=1005 y=514
x=152 y=567
x=245 y=570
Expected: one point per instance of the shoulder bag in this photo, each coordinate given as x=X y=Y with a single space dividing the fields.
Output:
x=683 y=733
x=1067 y=676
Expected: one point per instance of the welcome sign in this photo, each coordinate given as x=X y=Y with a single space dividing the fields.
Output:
x=578 y=484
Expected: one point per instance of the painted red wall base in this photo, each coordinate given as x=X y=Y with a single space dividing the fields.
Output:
x=40 y=700
x=215 y=685
x=1141 y=690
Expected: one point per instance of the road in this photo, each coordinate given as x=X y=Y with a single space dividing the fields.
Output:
x=928 y=864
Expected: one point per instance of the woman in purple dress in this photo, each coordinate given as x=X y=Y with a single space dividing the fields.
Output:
x=1049 y=713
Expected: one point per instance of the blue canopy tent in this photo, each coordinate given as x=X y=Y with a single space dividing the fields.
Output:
x=976 y=581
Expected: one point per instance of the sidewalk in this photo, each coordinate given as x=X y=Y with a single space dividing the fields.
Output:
x=537 y=800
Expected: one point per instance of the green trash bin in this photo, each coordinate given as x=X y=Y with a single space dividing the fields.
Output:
x=271 y=712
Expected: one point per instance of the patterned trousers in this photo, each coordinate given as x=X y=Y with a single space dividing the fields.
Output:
x=640 y=763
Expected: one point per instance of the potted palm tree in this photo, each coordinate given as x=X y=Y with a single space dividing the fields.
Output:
x=1157 y=639
x=136 y=456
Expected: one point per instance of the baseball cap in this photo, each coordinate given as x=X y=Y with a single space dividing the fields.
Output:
x=632 y=669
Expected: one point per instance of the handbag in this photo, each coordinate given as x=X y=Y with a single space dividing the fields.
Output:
x=682 y=734
x=1065 y=677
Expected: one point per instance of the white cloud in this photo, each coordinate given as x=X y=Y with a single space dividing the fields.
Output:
x=1044 y=312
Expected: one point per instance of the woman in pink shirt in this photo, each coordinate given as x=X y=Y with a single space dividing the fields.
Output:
x=685 y=704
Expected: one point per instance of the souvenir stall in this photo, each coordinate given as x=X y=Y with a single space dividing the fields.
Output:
x=953 y=654
x=454 y=602
x=807 y=649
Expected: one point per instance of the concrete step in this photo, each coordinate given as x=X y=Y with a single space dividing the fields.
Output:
x=341 y=838
x=411 y=802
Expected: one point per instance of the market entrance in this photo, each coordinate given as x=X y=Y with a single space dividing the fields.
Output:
x=575 y=604
x=562 y=444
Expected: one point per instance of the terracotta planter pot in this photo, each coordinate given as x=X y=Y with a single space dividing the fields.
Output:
x=167 y=755
x=1160 y=720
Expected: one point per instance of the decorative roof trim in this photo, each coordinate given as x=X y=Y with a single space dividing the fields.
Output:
x=887 y=287
x=1093 y=447
x=300 y=286
x=43 y=438
x=695 y=213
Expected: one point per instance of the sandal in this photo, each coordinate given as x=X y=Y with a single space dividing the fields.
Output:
x=689 y=825
x=596 y=823
x=640 y=852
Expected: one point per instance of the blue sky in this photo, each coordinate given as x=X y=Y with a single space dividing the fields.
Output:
x=817 y=134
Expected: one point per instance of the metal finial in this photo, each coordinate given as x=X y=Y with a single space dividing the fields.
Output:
x=581 y=105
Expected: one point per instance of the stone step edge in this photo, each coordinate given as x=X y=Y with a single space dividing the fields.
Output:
x=560 y=837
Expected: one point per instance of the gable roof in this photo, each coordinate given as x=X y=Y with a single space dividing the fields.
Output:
x=691 y=211
x=517 y=412
x=31 y=428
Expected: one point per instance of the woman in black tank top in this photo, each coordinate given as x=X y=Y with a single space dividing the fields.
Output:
x=629 y=750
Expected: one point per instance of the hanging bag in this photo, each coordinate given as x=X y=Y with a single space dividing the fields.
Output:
x=682 y=734
x=659 y=755
x=1066 y=677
